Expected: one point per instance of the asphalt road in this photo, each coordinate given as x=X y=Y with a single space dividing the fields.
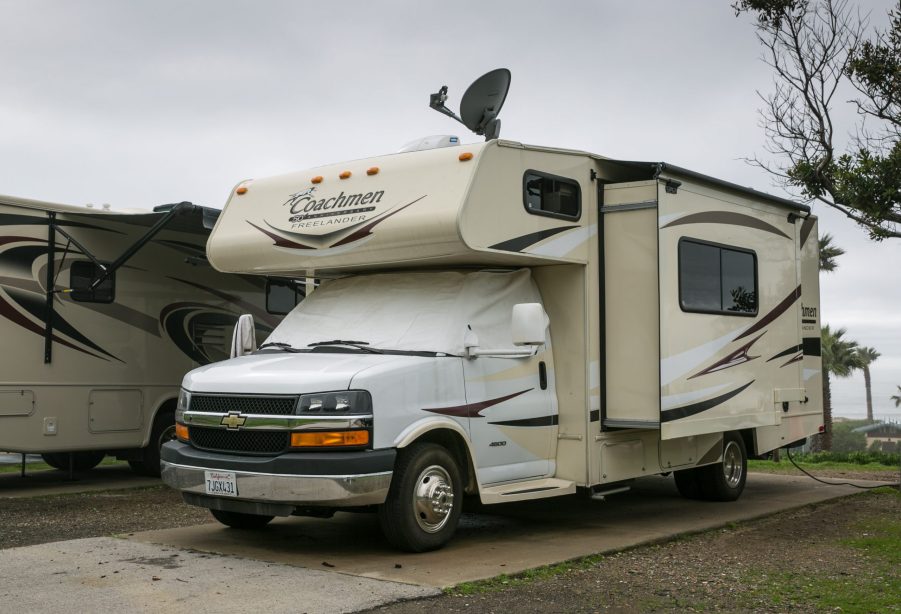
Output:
x=343 y=564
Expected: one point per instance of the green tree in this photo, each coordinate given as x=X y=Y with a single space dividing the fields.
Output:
x=840 y=359
x=828 y=254
x=813 y=47
x=867 y=356
x=897 y=397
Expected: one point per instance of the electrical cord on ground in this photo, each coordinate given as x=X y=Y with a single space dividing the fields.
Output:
x=789 y=453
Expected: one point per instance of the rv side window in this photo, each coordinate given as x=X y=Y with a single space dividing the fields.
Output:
x=552 y=196
x=717 y=279
x=82 y=274
x=282 y=295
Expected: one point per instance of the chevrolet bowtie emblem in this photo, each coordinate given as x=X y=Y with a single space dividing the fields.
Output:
x=233 y=420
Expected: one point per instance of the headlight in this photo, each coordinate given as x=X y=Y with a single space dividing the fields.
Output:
x=184 y=400
x=333 y=403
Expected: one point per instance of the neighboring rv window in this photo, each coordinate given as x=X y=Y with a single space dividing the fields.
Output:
x=717 y=279
x=81 y=275
x=282 y=295
x=552 y=196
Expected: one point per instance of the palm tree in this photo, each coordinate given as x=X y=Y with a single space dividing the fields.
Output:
x=840 y=359
x=897 y=397
x=828 y=253
x=867 y=356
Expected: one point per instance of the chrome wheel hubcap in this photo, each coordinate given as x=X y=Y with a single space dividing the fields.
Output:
x=732 y=469
x=433 y=499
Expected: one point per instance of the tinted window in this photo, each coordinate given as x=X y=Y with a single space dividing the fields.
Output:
x=717 y=279
x=81 y=275
x=551 y=195
x=282 y=295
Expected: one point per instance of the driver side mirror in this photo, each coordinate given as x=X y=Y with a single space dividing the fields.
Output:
x=244 y=337
x=529 y=324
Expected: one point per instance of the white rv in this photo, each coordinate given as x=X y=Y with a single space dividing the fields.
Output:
x=102 y=313
x=503 y=321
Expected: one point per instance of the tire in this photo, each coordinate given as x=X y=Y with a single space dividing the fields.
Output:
x=163 y=430
x=83 y=461
x=424 y=501
x=238 y=520
x=725 y=481
x=688 y=482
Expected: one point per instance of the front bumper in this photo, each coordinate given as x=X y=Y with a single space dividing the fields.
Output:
x=336 y=479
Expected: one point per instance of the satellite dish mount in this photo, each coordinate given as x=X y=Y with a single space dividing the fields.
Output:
x=481 y=103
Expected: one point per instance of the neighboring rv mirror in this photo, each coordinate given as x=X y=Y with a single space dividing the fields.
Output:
x=529 y=324
x=244 y=338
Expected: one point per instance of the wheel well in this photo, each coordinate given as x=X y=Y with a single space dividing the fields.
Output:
x=747 y=436
x=453 y=442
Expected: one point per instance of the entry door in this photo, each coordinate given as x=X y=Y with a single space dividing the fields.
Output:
x=513 y=416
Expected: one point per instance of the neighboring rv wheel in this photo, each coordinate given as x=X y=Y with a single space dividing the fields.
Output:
x=424 y=502
x=725 y=481
x=163 y=431
x=83 y=461
x=237 y=520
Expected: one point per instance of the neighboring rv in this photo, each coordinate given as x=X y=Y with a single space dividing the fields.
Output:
x=102 y=313
x=506 y=321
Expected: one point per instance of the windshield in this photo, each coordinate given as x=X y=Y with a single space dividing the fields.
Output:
x=422 y=311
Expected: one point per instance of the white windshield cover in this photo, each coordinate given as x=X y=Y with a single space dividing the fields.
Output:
x=413 y=311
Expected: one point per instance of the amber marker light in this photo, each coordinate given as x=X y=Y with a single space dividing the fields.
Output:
x=316 y=179
x=465 y=156
x=372 y=171
x=321 y=439
x=181 y=431
x=241 y=190
x=344 y=175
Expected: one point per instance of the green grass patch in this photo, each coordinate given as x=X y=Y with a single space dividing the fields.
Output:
x=528 y=576
x=785 y=466
x=41 y=466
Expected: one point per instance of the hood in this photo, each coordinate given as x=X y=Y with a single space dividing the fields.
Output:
x=286 y=373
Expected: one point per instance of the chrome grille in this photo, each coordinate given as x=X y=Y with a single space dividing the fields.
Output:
x=242 y=442
x=222 y=404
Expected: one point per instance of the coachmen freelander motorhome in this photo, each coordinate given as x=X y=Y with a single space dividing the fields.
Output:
x=506 y=321
x=102 y=313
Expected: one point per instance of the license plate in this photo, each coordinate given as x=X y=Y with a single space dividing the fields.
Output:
x=221 y=483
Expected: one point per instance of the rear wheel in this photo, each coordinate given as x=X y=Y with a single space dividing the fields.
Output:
x=163 y=430
x=725 y=481
x=425 y=499
x=81 y=461
x=238 y=520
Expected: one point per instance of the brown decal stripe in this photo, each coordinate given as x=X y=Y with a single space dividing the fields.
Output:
x=539 y=421
x=792 y=350
x=727 y=217
x=777 y=311
x=471 y=410
x=738 y=357
x=797 y=358
x=366 y=230
x=279 y=240
x=518 y=244
x=695 y=408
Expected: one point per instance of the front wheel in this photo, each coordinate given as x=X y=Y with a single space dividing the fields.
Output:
x=238 y=520
x=425 y=499
x=163 y=430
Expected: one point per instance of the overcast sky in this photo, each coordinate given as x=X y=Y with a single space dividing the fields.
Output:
x=142 y=103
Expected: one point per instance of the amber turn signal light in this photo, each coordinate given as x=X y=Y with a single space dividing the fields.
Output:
x=181 y=431
x=465 y=156
x=344 y=175
x=372 y=171
x=319 y=439
x=316 y=179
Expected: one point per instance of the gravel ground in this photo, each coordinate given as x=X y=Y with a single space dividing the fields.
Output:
x=725 y=570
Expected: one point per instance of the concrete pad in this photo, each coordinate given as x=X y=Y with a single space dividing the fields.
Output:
x=505 y=539
x=54 y=482
x=113 y=575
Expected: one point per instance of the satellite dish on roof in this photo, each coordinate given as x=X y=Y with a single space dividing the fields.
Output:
x=480 y=104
